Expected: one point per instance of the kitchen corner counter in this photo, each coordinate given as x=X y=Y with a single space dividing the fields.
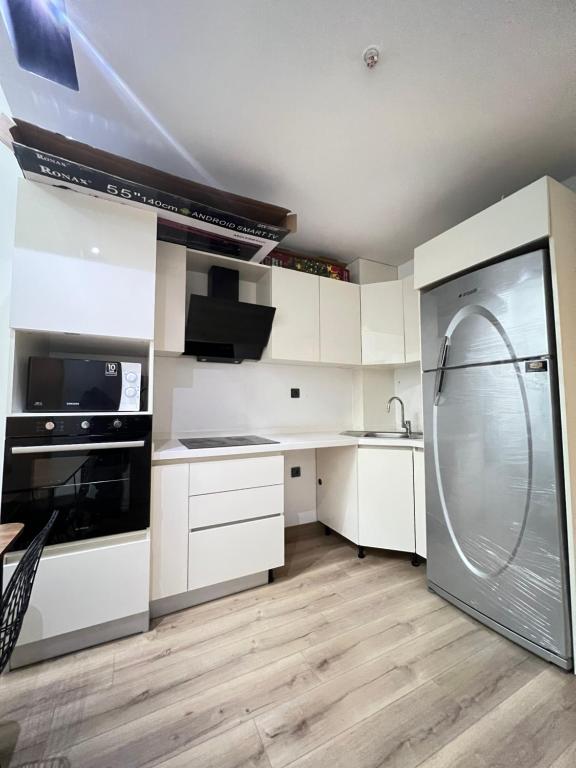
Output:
x=391 y=442
x=167 y=450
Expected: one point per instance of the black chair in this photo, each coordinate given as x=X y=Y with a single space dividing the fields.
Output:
x=16 y=598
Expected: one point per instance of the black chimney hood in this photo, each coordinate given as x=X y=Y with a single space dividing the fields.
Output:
x=221 y=329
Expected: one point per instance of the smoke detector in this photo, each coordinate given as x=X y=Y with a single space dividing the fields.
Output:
x=371 y=56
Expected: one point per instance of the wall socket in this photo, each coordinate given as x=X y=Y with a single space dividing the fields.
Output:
x=295 y=392
x=295 y=472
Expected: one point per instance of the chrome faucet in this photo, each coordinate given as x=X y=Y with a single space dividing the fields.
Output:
x=405 y=423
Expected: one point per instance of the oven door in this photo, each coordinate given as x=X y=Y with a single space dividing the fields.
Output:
x=100 y=487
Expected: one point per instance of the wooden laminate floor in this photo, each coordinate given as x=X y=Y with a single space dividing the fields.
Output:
x=341 y=663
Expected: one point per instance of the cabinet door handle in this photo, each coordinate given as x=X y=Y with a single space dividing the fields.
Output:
x=319 y=481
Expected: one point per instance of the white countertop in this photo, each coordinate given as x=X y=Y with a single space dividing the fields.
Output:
x=173 y=450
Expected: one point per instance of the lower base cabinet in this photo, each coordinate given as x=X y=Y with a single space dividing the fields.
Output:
x=81 y=586
x=215 y=521
x=169 y=531
x=373 y=496
x=337 y=490
x=386 y=498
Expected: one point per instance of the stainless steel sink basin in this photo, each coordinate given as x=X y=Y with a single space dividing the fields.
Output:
x=396 y=435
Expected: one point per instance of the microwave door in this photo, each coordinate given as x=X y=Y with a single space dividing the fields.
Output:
x=89 y=385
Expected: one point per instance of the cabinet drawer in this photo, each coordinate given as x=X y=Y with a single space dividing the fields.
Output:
x=232 y=506
x=234 y=474
x=233 y=551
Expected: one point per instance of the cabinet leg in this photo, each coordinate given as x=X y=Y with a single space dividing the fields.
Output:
x=416 y=560
x=327 y=531
x=361 y=553
x=271 y=576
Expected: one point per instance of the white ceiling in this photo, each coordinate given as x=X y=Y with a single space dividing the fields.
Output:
x=471 y=100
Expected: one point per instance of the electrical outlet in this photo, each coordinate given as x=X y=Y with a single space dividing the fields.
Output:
x=295 y=472
x=295 y=392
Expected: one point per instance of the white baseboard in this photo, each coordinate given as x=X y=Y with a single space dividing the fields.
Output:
x=301 y=518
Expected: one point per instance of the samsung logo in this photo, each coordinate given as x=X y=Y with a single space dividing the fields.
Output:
x=467 y=293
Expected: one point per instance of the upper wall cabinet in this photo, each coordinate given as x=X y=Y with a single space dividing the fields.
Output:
x=296 y=327
x=339 y=322
x=82 y=264
x=390 y=323
x=170 y=306
x=511 y=223
x=317 y=319
x=383 y=322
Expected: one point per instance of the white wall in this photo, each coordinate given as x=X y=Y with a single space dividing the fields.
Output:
x=377 y=388
x=300 y=492
x=406 y=269
x=212 y=397
x=9 y=174
x=363 y=271
x=379 y=384
x=408 y=386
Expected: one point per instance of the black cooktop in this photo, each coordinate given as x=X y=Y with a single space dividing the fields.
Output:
x=225 y=442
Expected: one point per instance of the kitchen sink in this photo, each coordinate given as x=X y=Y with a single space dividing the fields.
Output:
x=403 y=435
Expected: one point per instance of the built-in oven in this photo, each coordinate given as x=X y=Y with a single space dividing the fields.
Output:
x=95 y=470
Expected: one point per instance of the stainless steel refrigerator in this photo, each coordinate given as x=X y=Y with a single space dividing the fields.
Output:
x=494 y=484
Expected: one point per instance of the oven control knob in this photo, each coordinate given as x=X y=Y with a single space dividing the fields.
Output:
x=116 y=423
x=131 y=377
x=130 y=391
x=84 y=424
x=49 y=426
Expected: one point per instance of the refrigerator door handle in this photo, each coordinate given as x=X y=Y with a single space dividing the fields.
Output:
x=438 y=385
x=442 y=357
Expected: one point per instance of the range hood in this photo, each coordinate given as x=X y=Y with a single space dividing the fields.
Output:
x=221 y=329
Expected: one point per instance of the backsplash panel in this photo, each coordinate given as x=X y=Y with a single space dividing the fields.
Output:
x=408 y=386
x=203 y=397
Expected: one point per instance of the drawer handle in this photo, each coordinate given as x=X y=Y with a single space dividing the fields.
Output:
x=235 y=522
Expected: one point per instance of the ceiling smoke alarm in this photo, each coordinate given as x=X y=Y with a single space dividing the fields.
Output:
x=371 y=56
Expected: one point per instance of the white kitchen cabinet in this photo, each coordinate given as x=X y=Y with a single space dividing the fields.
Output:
x=390 y=322
x=235 y=506
x=82 y=264
x=386 y=498
x=383 y=323
x=411 y=303
x=420 y=502
x=513 y=222
x=84 y=585
x=340 y=339
x=232 y=474
x=201 y=519
x=170 y=304
x=232 y=551
x=169 y=530
x=296 y=328
x=337 y=490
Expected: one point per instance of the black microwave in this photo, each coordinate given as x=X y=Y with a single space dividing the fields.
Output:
x=73 y=384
